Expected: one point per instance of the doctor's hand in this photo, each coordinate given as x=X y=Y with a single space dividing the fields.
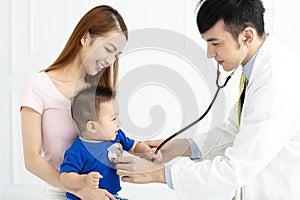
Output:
x=172 y=149
x=139 y=170
x=114 y=151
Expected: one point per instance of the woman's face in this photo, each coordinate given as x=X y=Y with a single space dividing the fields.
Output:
x=99 y=53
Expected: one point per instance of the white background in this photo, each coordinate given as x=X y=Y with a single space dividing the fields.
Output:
x=34 y=32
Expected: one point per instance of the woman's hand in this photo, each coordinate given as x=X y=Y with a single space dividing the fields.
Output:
x=89 y=193
x=139 y=170
x=172 y=149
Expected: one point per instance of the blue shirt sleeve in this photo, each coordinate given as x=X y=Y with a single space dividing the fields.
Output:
x=73 y=160
x=126 y=142
x=168 y=176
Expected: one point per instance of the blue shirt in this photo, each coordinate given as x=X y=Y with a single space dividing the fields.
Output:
x=247 y=68
x=89 y=156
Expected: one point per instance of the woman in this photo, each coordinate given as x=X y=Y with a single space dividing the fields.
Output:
x=47 y=127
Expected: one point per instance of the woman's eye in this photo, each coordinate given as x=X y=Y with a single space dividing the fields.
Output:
x=215 y=44
x=108 y=50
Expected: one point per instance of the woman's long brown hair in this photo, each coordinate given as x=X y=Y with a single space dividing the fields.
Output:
x=98 y=22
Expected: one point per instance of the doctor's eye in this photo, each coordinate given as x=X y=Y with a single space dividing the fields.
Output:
x=216 y=44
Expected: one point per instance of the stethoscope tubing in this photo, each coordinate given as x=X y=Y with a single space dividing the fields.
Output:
x=203 y=115
x=219 y=86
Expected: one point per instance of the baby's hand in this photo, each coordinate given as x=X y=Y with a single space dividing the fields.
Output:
x=114 y=151
x=157 y=158
x=92 y=179
x=151 y=156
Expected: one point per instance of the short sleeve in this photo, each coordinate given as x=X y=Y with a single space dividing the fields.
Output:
x=30 y=95
x=126 y=142
x=73 y=159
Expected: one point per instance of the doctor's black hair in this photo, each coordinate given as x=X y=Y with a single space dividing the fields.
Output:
x=86 y=104
x=237 y=15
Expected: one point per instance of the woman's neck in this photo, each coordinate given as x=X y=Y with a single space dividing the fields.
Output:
x=71 y=73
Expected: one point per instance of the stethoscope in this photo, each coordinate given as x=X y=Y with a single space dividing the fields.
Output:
x=219 y=86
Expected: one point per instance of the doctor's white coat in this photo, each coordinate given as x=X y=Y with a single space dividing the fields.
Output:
x=262 y=160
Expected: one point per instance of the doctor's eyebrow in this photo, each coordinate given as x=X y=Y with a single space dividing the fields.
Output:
x=212 y=39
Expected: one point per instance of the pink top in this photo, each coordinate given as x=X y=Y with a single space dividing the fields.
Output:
x=58 y=127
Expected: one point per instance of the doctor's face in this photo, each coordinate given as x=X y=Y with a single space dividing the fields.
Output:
x=223 y=47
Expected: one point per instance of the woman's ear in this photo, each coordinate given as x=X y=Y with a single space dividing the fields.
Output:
x=84 y=40
x=91 y=126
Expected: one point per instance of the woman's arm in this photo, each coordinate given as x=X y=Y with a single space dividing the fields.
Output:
x=32 y=144
x=37 y=165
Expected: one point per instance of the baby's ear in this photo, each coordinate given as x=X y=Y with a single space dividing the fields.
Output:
x=91 y=126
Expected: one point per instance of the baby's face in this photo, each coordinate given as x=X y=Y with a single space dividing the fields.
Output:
x=109 y=119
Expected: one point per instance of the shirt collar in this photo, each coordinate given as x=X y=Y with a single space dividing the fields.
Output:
x=91 y=141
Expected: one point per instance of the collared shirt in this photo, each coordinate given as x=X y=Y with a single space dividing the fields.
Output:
x=247 y=68
x=195 y=151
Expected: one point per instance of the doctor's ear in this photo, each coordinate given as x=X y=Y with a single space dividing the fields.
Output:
x=248 y=34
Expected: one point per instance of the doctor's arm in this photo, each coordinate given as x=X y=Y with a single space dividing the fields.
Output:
x=139 y=170
x=201 y=146
x=231 y=160
x=217 y=139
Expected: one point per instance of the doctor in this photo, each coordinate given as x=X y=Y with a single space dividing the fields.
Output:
x=256 y=155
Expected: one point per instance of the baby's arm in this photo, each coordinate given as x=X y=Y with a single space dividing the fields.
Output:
x=76 y=181
x=140 y=147
x=144 y=151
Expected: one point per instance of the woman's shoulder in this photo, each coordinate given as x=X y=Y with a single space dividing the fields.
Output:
x=38 y=76
x=37 y=80
x=37 y=83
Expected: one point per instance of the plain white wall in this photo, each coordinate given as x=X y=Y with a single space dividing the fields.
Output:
x=33 y=33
